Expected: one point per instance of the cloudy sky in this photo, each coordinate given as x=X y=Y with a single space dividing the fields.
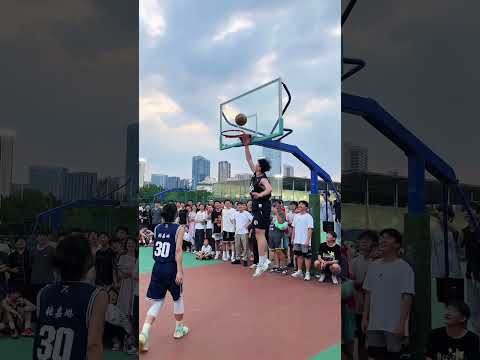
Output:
x=69 y=83
x=194 y=54
x=422 y=67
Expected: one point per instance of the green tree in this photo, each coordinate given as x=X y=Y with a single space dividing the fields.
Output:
x=147 y=192
x=21 y=208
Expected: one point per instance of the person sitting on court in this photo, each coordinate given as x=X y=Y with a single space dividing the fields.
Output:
x=328 y=262
x=454 y=341
x=302 y=240
x=16 y=312
x=206 y=253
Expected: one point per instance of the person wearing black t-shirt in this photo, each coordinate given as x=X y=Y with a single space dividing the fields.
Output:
x=329 y=256
x=260 y=191
x=216 y=218
x=105 y=263
x=454 y=341
x=471 y=241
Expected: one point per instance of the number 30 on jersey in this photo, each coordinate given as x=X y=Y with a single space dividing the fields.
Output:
x=162 y=249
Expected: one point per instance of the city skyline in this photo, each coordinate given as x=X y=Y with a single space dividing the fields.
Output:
x=179 y=103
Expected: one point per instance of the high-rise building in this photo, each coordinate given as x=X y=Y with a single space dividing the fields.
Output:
x=48 y=180
x=173 y=182
x=159 y=180
x=184 y=184
x=275 y=158
x=200 y=170
x=7 y=142
x=288 y=171
x=354 y=158
x=224 y=170
x=131 y=170
x=107 y=187
x=141 y=172
x=80 y=186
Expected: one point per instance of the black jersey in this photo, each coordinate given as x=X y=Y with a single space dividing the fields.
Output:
x=255 y=186
x=63 y=311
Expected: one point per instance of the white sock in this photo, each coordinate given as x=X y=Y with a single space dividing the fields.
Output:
x=262 y=259
x=224 y=253
x=146 y=329
x=178 y=324
x=28 y=325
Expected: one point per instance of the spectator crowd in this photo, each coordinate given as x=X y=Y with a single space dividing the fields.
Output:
x=26 y=267
x=379 y=289
x=224 y=230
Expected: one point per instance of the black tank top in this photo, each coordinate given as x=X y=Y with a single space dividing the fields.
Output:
x=256 y=187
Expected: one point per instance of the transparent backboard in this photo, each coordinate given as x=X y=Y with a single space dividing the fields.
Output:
x=263 y=109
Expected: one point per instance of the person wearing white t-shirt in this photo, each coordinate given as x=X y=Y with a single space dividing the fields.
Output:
x=389 y=288
x=200 y=223
x=242 y=220
x=206 y=253
x=228 y=231
x=302 y=240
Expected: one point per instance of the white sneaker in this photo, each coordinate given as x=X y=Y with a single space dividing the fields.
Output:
x=143 y=342
x=253 y=266
x=307 y=276
x=298 y=274
x=321 y=278
x=181 y=332
x=334 y=280
x=260 y=269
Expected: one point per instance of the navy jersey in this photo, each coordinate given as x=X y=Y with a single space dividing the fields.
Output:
x=63 y=312
x=165 y=243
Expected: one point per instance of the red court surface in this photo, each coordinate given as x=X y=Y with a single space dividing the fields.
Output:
x=234 y=316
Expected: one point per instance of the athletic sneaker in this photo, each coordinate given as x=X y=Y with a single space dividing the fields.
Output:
x=321 y=278
x=27 y=332
x=307 y=276
x=334 y=280
x=261 y=268
x=274 y=269
x=285 y=271
x=131 y=350
x=236 y=262
x=253 y=266
x=298 y=274
x=143 y=342
x=180 y=332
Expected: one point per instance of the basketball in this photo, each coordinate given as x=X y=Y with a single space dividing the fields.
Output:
x=241 y=119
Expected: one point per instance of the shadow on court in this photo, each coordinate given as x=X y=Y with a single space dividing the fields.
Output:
x=233 y=316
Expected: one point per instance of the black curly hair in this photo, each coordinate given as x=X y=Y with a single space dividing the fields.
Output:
x=264 y=165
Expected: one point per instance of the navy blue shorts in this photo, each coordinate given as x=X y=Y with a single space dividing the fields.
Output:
x=161 y=282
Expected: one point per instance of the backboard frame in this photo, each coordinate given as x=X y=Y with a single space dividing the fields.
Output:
x=277 y=129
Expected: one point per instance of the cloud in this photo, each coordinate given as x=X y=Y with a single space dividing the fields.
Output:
x=316 y=105
x=264 y=68
x=156 y=104
x=236 y=24
x=152 y=18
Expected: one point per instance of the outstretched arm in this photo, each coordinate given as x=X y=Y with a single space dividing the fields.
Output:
x=248 y=155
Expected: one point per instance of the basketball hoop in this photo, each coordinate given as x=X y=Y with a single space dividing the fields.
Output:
x=236 y=134
x=232 y=134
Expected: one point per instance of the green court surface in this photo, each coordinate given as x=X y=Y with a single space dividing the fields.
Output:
x=189 y=261
x=21 y=349
x=332 y=353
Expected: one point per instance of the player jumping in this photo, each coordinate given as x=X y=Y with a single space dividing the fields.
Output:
x=260 y=191
x=167 y=274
